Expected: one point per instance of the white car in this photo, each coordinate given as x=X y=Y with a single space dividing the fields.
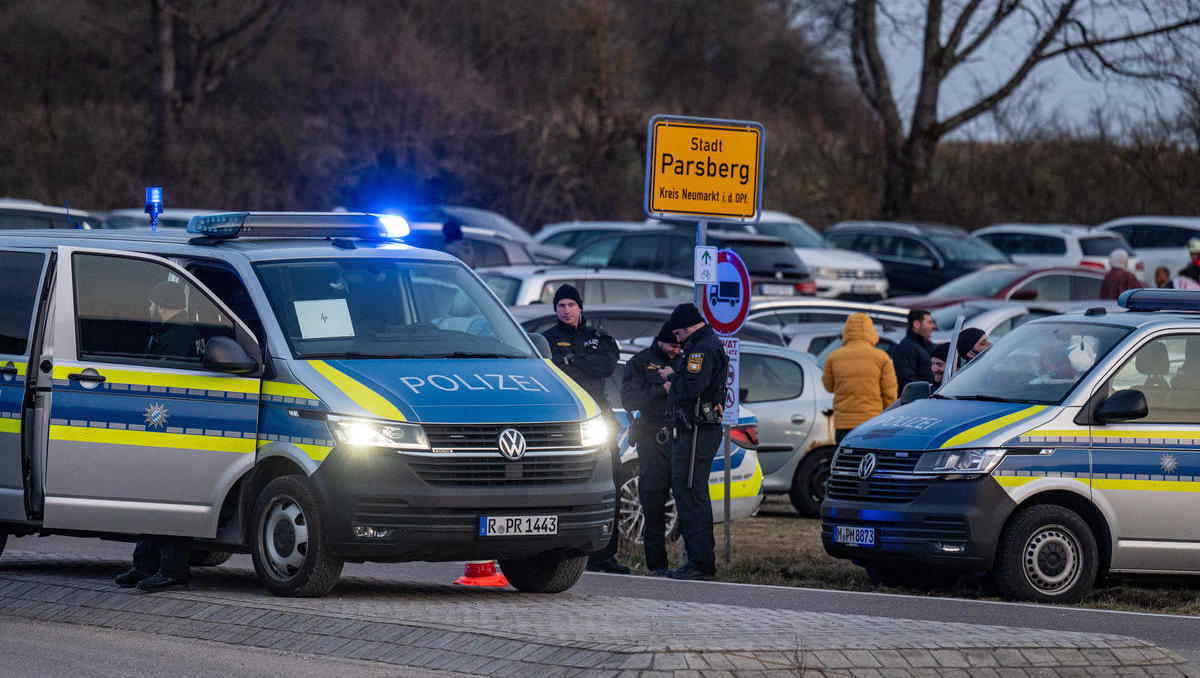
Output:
x=839 y=273
x=531 y=284
x=1046 y=245
x=1157 y=241
x=572 y=234
x=16 y=213
x=175 y=217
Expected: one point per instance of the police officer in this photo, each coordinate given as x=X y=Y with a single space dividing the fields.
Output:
x=697 y=401
x=588 y=356
x=644 y=390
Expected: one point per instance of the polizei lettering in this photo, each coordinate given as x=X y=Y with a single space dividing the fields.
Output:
x=476 y=382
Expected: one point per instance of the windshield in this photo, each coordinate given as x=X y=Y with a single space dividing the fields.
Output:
x=797 y=235
x=388 y=308
x=946 y=316
x=504 y=287
x=967 y=249
x=986 y=282
x=1102 y=246
x=1036 y=363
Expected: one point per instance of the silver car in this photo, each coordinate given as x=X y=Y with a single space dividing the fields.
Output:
x=519 y=285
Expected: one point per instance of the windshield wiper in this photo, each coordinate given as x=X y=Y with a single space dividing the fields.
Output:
x=985 y=398
x=469 y=354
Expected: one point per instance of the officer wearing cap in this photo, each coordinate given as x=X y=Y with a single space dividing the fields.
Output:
x=644 y=391
x=588 y=355
x=697 y=401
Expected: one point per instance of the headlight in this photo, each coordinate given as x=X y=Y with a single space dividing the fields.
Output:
x=593 y=432
x=824 y=272
x=959 y=461
x=368 y=433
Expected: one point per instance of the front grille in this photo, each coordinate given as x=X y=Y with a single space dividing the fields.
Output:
x=844 y=482
x=855 y=274
x=542 y=469
x=477 y=437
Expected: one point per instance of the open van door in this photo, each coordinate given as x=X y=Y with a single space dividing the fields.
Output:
x=153 y=397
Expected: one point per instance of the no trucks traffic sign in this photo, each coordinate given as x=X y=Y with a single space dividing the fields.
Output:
x=704 y=168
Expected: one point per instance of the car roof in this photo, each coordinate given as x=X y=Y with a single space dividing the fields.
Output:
x=817 y=302
x=529 y=271
x=1074 y=230
x=1189 y=222
x=21 y=204
x=909 y=227
x=560 y=226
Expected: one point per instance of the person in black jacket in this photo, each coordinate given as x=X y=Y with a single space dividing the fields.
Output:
x=174 y=337
x=697 y=401
x=589 y=355
x=913 y=352
x=644 y=391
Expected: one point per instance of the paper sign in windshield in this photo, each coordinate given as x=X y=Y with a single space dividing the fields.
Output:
x=324 y=318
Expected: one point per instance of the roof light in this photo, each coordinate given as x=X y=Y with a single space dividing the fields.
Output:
x=394 y=225
x=289 y=225
x=154 y=205
x=1151 y=299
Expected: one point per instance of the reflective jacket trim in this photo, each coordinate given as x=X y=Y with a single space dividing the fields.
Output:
x=215 y=386
x=361 y=395
x=976 y=432
x=182 y=441
x=590 y=408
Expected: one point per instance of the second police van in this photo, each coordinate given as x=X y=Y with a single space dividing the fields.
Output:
x=322 y=394
x=1065 y=451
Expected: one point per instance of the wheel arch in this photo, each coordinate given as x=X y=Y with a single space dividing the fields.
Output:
x=252 y=484
x=1087 y=510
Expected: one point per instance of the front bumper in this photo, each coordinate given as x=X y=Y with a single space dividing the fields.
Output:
x=949 y=523
x=867 y=289
x=430 y=506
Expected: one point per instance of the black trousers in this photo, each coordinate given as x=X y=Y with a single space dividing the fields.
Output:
x=654 y=488
x=156 y=554
x=693 y=504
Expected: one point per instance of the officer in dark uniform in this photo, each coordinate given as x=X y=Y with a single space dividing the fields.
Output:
x=174 y=336
x=644 y=390
x=697 y=401
x=588 y=356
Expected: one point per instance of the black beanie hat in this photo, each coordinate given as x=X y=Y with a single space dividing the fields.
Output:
x=567 y=291
x=967 y=339
x=941 y=351
x=667 y=334
x=685 y=315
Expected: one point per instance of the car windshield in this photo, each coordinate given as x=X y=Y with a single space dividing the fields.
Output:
x=1102 y=246
x=967 y=249
x=1036 y=363
x=504 y=286
x=388 y=308
x=796 y=234
x=946 y=316
x=985 y=282
x=765 y=258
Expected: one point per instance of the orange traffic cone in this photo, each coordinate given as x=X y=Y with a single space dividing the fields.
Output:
x=482 y=573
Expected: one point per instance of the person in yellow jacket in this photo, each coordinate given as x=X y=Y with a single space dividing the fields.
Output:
x=860 y=376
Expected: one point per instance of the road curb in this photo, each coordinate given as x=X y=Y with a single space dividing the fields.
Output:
x=505 y=633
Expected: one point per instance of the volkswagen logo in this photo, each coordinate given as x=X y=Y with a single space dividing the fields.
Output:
x=512 y=444
x=867 y=466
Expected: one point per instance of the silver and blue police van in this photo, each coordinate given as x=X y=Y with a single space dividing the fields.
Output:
x=323 y=394
x=1066 y=451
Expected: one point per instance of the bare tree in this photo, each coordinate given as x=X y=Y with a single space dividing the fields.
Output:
x=1142 y=39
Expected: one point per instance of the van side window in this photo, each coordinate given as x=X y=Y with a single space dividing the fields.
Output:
x=1167 y=372
x=20 y=272
x=140 y=312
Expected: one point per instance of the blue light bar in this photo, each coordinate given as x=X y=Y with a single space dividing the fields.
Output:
x=294 y=225
x=1151 y=299
x=225 y=225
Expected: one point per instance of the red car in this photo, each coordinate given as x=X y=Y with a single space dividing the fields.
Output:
x=1012 y=282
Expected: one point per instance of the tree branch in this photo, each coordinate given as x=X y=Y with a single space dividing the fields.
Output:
x=1003 y=10
x=1096 y=43
x=870 y=69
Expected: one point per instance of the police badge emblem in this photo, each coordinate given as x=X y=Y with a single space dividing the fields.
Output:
x=156 y=415
x=694 y=362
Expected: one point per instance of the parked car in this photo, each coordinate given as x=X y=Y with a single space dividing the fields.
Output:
x=18 y=214
x=572 y=234
x=137 y=218
x=540 y=253
x=1012 y=282
x=774 y=268
x=1043 y=245
x=490 y=248
x=917 y=257
x=1157 y=241
x=839 y=273
x=626 y=322
x=790 y=314
x=519 y=285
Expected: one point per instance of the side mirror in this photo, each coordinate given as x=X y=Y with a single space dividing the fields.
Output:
x=1026 y=294
x=222 y=354
x=914 y=391
x=540 y=343
x=1123 y=405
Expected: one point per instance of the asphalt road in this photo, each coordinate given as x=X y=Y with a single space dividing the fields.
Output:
x=1181 y=634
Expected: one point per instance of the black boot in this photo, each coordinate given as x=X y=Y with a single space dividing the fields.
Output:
x=130 y=578
x=161 y=582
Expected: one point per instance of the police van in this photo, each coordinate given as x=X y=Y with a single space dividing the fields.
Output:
x=1065 y=451
x=298 y=385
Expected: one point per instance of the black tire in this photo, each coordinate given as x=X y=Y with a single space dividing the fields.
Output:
x=551 y=572
x=633 y=521
x=809 y=482
x=200 y=558
x=1046 y=554
x=287 y=540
